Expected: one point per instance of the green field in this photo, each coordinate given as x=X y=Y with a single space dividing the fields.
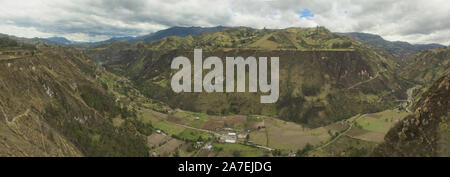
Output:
x=380 y=122
x=191 y=118
x=166 y=127
x=193 y=135
x=227 y=149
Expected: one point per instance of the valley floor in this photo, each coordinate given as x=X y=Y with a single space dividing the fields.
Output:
x=185 y=133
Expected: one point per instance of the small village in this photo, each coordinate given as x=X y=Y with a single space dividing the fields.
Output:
x=219 y=134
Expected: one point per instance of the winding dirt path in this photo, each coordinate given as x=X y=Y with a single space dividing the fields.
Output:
x=203 y=130
x=410 y=99
x=362 y=82
x=340 y=134
x=14 y=118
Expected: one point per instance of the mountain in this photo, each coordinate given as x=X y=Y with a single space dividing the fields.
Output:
x=176 y=31
x=400 y=50
x=53 y=104
x=427 y=66
x=173 y=31
x=324 y=77
x=61 y=40
x=338 y=97
x=426 y=132
x=115 y=39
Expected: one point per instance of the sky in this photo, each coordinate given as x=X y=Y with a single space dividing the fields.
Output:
x=414 y=21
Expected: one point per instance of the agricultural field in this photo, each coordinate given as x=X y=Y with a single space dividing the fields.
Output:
x=181 y=129
x=382 y=121
x=279 y=134
x=194 y=135
x=156 y=139
x=192 y=119
x=166 y=146
x=232 y=150
x=370 y=128
x=373 y=127
x=149 y=116
x=365 y=133
x=345 y=146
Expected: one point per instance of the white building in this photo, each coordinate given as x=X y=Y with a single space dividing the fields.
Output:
x=242 y=135
x=230 y=141
x=208 y=147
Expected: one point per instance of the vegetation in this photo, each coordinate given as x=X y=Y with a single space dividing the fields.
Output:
x=328 y=84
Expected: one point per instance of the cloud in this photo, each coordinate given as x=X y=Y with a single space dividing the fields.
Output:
x=416 y=21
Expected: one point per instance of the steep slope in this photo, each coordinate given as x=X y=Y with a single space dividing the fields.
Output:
x=400 y=50
x=427 y=131
x=427 y=66
x=52 y=105
x=324 y=77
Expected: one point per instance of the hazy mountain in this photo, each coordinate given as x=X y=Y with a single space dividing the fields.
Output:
x=114 y=39
x=176 y=31
x=400 y=50
x=173 y=31
x=61 y=40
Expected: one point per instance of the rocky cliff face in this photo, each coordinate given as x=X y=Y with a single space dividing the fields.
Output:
x=427 y=131
x=52 y=105
x=324 y=77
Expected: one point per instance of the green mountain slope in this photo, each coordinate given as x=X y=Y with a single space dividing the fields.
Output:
x=52 y=105
x=427 y=66
x=400 y=51
x=176 y=31
x=427 y=131
x=324 y=77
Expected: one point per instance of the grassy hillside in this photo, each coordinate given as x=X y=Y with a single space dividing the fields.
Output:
x=400 y=51
x=52 y=105
x=426 y=132
x=427 y=66
x=324 y=77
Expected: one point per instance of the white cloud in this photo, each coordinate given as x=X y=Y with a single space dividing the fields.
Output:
x=417 y=21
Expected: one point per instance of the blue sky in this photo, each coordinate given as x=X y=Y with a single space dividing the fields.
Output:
x=415 y=21
x=305 y=13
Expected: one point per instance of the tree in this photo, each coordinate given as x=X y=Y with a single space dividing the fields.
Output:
x=177 y=153
x=276 y=152
x=236 y=153
x=303 y=152
x=247 y=138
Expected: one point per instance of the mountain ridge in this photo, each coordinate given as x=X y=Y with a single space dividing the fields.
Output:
x=426 y=132
x=332 y=64
x=399 y=49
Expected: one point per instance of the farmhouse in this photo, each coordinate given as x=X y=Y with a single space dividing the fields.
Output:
x=208 y=147
x=227 y=129
x=230 y=141
x=227 y=139
x=242 y=135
